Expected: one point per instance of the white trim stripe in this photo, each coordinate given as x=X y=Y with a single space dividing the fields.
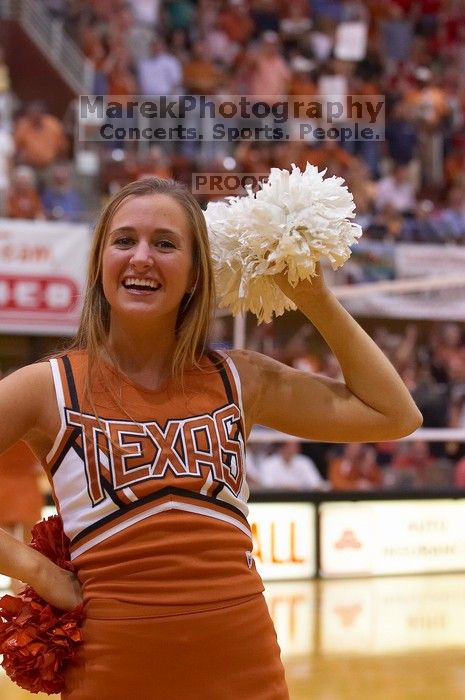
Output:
x=60 y=397
x=130 y=494
x=170 y=505
x=207 y=484
x=237 y=381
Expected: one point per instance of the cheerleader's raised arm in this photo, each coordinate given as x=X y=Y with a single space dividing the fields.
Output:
x=371 y=404
x=267 y=247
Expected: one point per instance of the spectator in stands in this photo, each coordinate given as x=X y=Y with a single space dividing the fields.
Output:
x=327 y=154
x=60 y=200
x=294 y=24
x=396 y=191
x=288 y=469
x=424 y=226
x=221 y=48
x=414 y=466
x=363 y=188
x=457 y=407
x=121 y=81
x=396 y=37
x=23 y=200
x=200 y=75
x=39 y=137
x=459 y=474
x=7 y=150
x=432 y=399
x=160 y=73
x=448 y=352
x=270 y=74
x=405 y=470
x=298 y=353
x=93 y=47
x=451 y=219
x=180 y=45
x=5 y=86
x=355 y=469
x=265 y=14
x=153 y=162
x=180 y=14
x=146 y=12
x=302 y=82
x=401 y=134
x=235 y=20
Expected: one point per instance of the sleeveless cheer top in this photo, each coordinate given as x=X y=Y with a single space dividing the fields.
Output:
x=162 y=522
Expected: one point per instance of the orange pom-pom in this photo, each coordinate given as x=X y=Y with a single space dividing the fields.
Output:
x=37 y=640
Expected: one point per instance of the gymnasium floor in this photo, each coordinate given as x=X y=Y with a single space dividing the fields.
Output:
x=396 y=638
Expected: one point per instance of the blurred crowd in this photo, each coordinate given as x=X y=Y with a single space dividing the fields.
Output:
x=409 y=187
x=430 y=358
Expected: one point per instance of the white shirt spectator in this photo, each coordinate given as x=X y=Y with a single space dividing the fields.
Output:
x=396 y=191
x=289 y=470
x=160 y=74
x=146 y=11
x=7 y=149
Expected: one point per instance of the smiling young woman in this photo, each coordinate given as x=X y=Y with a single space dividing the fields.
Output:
x=141 y=430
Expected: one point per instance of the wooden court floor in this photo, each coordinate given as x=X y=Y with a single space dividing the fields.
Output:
x=395 y=638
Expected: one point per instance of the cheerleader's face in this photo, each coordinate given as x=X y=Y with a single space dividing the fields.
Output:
x=147 y=259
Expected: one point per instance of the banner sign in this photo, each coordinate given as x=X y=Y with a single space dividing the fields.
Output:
x=42 y=273
x=369 y=538
x=379 y=261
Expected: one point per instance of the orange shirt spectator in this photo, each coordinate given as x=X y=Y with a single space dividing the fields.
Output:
x=39 y=137
x=327 y=155
x=270 y=74
x=236 y=22
x=356 y=469
x=121 y=80
x=200 y=75
x=155 y=163
x=301 y=82
x=23 y=200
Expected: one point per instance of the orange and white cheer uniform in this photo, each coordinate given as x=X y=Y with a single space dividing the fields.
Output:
x=151 y=488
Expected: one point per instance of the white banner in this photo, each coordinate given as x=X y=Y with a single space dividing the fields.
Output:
x=377 y=261
x=369 y=538
x=42 y=273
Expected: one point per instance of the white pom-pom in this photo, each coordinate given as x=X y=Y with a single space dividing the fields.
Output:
x=295 y=219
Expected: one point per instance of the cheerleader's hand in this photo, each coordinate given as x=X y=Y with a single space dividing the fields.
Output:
x=58 y=587
x=305 y=290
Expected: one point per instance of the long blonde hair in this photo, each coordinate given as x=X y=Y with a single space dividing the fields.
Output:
x=197 y=308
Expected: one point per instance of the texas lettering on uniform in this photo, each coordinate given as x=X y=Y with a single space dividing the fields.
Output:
x=133 y=452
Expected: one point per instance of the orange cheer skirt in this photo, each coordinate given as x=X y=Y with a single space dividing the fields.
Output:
x=230 y=653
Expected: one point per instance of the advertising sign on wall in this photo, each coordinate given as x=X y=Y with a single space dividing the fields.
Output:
x=284 y=540
x=367 y=538
x=42 y=272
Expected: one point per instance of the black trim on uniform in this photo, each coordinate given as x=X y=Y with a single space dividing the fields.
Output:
x=219 y=487
x=128 y=507
x=219 y=364
x=218 y=361
x=70 y=382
